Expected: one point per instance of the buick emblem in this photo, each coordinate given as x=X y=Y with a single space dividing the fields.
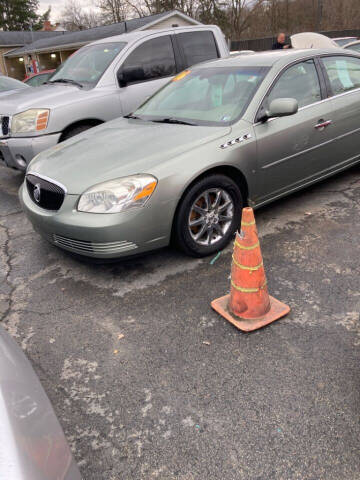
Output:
x=37 y=193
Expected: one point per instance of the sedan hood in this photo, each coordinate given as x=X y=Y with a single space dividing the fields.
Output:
x=45 y=96
x=117 y=149
x=10 y=92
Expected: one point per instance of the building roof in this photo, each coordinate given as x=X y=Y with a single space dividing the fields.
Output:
x=82 y=37
x=17 y=38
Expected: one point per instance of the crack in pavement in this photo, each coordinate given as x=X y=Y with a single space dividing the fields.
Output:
x=8 y=263
x=11 y=308
x=344 y=192
x=36 y=312
x=17 y=212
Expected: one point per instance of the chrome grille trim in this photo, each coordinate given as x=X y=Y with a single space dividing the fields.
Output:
x=50 y=196
x=83 y=246
x=47 y=179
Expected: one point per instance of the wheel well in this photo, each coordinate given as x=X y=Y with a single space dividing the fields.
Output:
x=229 y=171
x=92 y=122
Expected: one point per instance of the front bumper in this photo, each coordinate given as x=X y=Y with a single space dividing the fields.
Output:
x=17 y=152
x=101 y=236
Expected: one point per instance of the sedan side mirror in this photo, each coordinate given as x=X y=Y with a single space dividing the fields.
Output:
x=130 y=75
x=282 y=107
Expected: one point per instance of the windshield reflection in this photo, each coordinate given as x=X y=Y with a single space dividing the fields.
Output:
x=87 y=65
x=205 y=96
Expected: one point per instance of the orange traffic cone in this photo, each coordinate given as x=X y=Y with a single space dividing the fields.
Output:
x=249 y=305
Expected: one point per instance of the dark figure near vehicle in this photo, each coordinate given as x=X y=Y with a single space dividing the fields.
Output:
x=280 y=42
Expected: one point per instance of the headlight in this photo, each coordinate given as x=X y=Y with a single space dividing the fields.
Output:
x=33 y=120
x=118 y=195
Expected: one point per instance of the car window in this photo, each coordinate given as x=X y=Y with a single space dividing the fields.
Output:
x=343 y=73
x=344 y=41
x=197 y=47
x=37 y=79
x=33 y=82
x=299 y=81
x=88 y=64
x=206 y=96
x=155 y=57
x=355 y=47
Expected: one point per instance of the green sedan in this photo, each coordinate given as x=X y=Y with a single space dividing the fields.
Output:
x=242 y=130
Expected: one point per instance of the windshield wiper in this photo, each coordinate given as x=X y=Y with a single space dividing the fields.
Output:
x=175 y=120
x=66 y=80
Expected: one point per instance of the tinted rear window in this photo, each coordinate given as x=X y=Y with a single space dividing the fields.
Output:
x=198 y=47
x=155 y=57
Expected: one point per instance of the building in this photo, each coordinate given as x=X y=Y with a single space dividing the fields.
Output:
x=49 y=51
x=53 y=28
x=13 y=40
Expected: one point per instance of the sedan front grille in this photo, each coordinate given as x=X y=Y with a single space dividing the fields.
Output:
x=44 y=193
x=84 y=247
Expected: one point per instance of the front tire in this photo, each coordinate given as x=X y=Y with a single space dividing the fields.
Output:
x=75 y=131
x=208 y=216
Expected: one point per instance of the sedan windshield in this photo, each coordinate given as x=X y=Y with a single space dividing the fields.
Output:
x=206 y=96
x=87 y=65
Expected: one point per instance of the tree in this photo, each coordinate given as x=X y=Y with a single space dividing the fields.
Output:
x=75 y=17
x=41 y=19
x=18 y=14
x=114 y=11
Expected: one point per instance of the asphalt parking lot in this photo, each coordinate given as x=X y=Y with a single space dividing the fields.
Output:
x=120 y=348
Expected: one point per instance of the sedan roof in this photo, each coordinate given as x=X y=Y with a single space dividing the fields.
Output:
x=270 y=58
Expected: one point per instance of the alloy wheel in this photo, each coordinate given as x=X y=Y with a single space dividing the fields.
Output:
x=210 y=216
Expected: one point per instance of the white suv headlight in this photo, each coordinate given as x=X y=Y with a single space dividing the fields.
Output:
x=33 y=120
x=118 y=195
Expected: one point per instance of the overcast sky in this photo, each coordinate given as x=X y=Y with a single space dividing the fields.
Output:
x=58 y=5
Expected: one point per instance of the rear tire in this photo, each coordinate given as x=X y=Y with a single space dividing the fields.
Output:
x=208 y=216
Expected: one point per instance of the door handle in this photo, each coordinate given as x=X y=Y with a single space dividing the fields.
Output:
x=323 y=124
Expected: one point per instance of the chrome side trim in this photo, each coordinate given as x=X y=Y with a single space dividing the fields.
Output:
x=349 y=92
x=230 y=143
x=47 y=179
x=290 y=157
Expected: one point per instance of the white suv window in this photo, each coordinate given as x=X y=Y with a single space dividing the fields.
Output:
x=155 y=57
x=197 y=47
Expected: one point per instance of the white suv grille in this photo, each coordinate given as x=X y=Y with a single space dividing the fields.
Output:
x=4 y=125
